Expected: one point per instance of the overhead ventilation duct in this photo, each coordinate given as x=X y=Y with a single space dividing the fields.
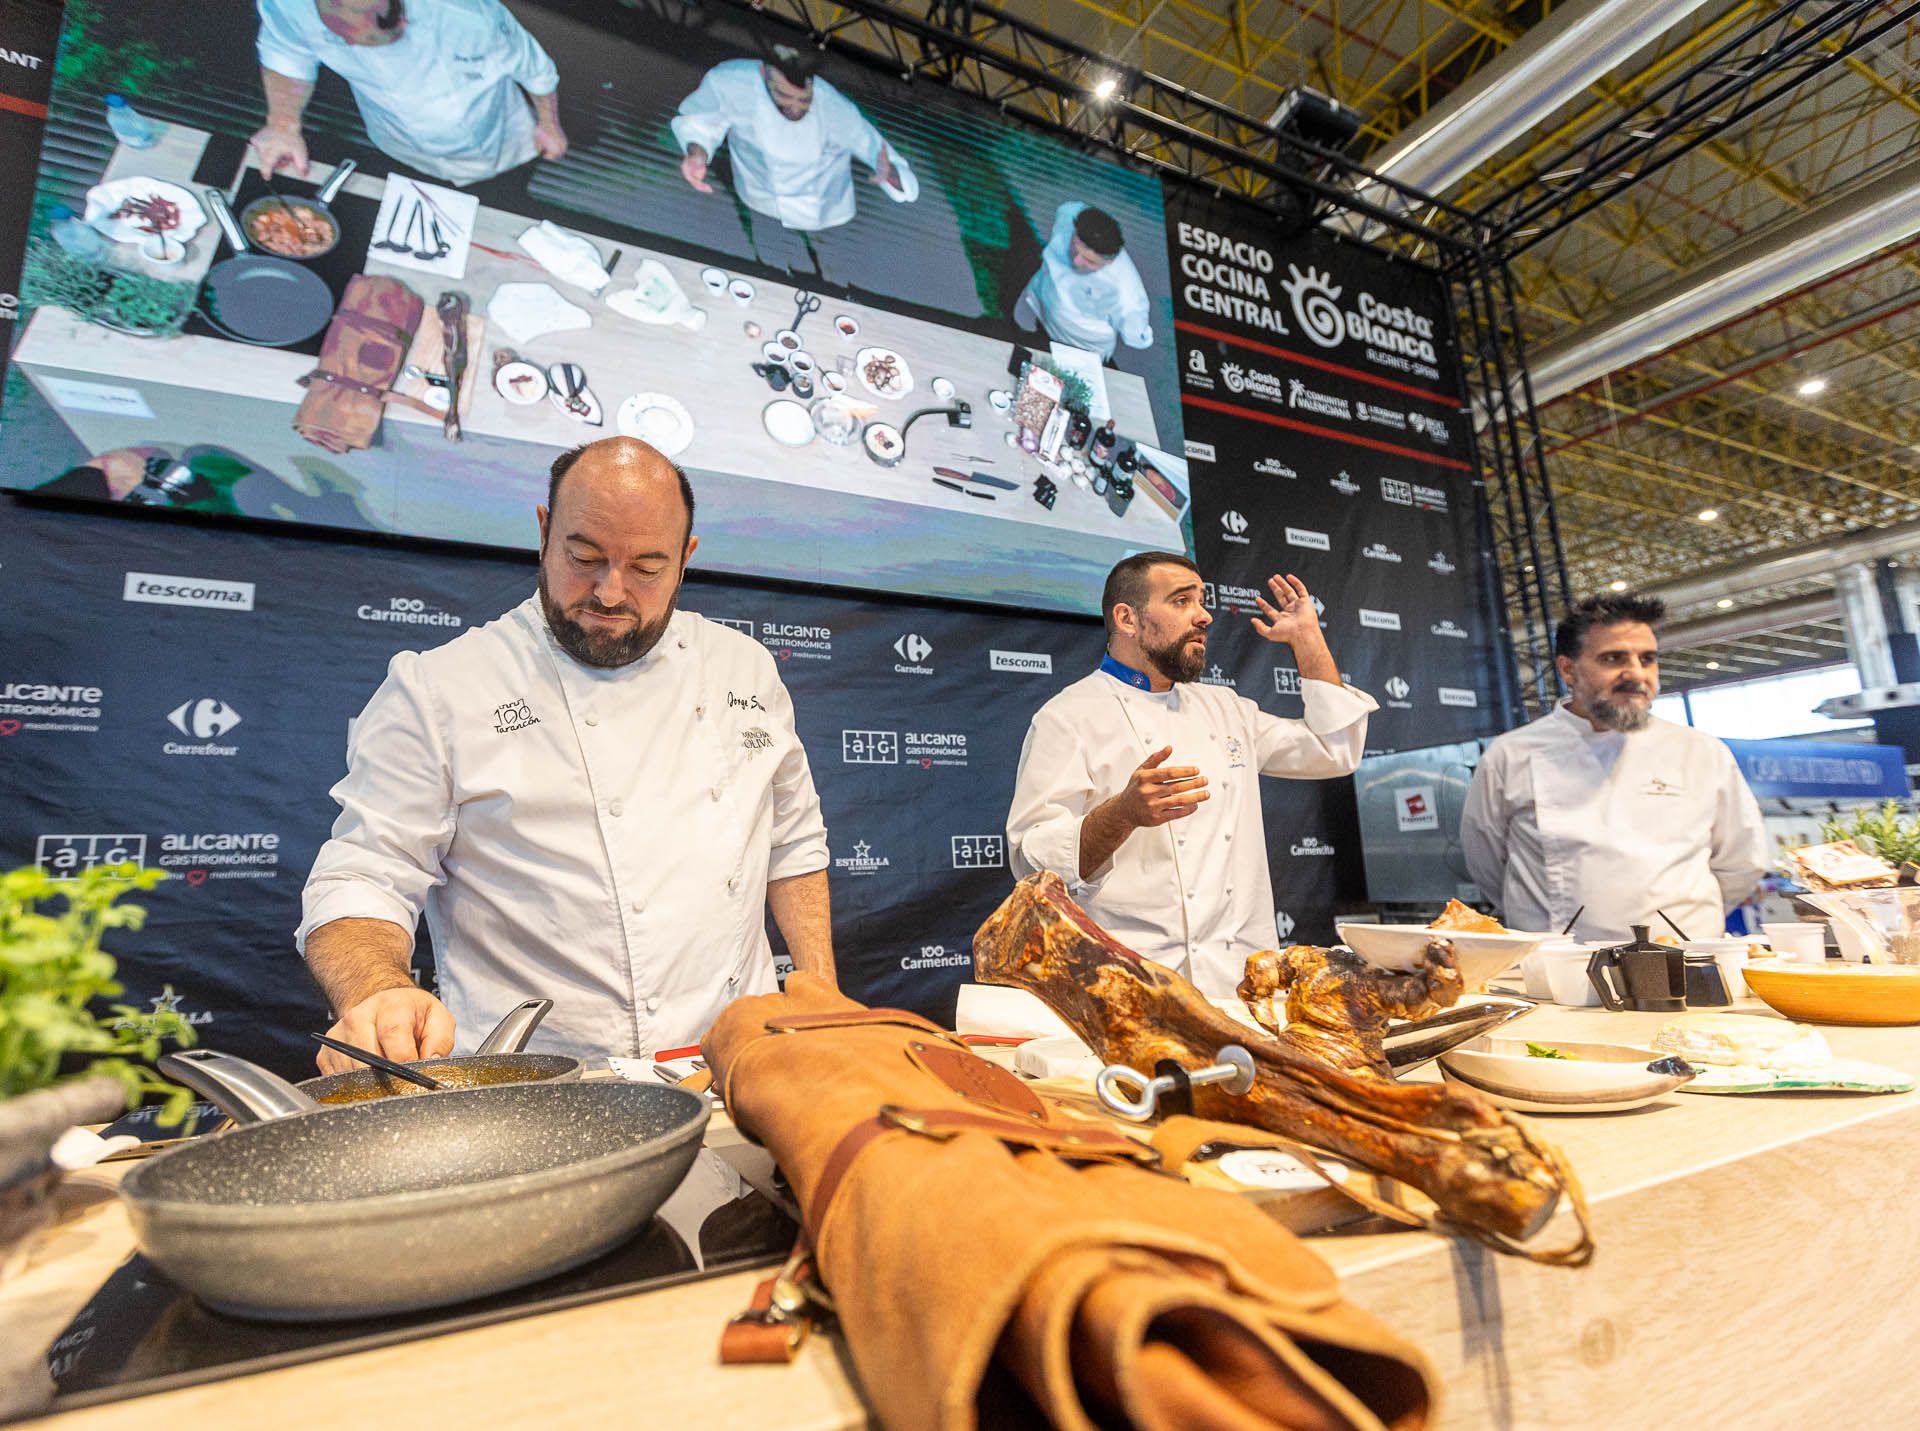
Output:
x=1552 y=63
x=1753 y=621
x=1776 y=261
x=1803 y=563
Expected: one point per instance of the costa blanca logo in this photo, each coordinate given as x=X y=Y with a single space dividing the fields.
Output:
x=1283 y=925
x=912 y=649
x=1380 y=551
x=1274 y=467
x=1441 y=565
x=204 y=719
x=745 y=628
x=863 y=861
x=870 y=747
x=1448 y=629
x=160 y=589
x=37 y=705
x=1397 y=691
x=1315 y=305
x=1234 y=376
x=406 y=611
x=1344 y=485
x=1312 y=541
x=64 y=855
x=1286 y=681
x=1454 y=696
x=1312 y=846
x=792 y=642
x=935 y=956
x=1197 y=451
x=221 y=854
x=929 y=748
x=1379 y=620
x=979 y=852
x=1234 y=522
x=1039 y=663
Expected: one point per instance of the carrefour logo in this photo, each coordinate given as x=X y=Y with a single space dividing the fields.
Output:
x=913 y=647
x=1234 y=522
x=203 y=719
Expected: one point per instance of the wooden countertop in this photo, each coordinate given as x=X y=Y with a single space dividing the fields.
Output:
x=1754 y=1270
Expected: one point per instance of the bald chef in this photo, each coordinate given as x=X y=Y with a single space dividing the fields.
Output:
x=1138 y=785
x=1599 y=804
x=596 y=798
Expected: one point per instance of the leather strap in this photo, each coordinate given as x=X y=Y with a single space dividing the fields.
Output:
x=341 y=380
x=393 y=332
x=781 y=1315
x=982 y=1084
x=858 y=1018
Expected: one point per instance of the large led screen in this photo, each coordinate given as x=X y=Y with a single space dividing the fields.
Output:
x=863 y=314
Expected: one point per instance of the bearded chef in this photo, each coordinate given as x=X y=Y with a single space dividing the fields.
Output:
x=595 y=798
x=1600 y=804
x=1139 y=786
x=793 y=137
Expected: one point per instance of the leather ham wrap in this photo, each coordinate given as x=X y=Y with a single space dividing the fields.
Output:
x=363 y=352
x=1488 y=1174
x=996 y=1266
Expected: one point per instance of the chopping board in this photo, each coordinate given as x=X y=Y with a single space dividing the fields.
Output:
x=429 y=353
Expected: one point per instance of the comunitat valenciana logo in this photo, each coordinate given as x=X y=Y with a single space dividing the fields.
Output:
x=1316 y=305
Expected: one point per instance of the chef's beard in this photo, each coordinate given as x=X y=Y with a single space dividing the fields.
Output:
x=607 y=650
x=1178 y=660
x=1622 y=716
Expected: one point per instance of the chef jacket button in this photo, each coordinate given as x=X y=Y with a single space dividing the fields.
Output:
x=714 y=792
x=1229 y=835
x=615 y=808
x=733 y=883
x=591 y=719
x=699 y=712
x=653 y=1005
x=732 y=979
x=681 y=642
x=639 y=906
x=1182 y=839
x=1229 y=889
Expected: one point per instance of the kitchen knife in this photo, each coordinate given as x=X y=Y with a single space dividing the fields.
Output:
x=984 y=477
x=1409 y=1045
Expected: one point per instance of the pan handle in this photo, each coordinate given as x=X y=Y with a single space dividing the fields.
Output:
x=245 y=1092
x=342 y=172
x=510 y=1035
x=229 y=225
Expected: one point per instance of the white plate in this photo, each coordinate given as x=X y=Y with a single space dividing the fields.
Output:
x=899 y=385
x=520 y=393
x=1400 y=946
x=788 y=423
x=661 y=421
x=1599 y=1078
x=104 y=199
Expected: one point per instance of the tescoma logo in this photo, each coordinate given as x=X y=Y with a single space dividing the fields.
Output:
x=870 y=747
x=160 y=589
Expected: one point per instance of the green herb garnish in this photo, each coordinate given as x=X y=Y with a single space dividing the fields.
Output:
x=1540 y=1050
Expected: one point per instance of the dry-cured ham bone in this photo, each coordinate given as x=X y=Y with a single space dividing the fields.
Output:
x=1331 y=1002
x=1485 y=1172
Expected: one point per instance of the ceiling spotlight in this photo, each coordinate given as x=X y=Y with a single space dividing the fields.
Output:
x=1724 y=602
x=1713 y=665
x=1105 y=89
x=1618 y=586
x=1813 y=387
x=1708 y=514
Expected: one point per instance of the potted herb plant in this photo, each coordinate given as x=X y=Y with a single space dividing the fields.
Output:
x=66 y=1057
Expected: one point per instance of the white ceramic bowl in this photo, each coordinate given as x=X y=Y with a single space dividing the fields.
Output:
x=1600 y=1078
x=1400 y=946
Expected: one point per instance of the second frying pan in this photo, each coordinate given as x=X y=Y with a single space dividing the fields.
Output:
x=258 y=298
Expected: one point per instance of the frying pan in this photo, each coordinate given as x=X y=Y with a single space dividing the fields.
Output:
x=318 y=204
x=497 y=1060
x=371 y=1209
x=257 y=297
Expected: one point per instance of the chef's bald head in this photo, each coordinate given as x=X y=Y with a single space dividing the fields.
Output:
x=625 y=458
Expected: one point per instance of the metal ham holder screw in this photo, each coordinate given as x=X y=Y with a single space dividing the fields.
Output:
x=1169 y=1090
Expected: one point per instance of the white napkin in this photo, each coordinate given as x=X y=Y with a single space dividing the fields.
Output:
x=1006 y=1012
x=567 y=256
x=526 y=310
x=656 y=297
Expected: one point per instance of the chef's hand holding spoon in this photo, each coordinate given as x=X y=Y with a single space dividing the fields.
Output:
x=279 y=148
x=1291 y=619
x=404 y=1024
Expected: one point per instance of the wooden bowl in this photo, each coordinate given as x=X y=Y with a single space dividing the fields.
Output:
x=1838 y=993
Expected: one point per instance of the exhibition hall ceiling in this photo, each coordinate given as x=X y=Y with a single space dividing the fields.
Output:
x=1729 y=421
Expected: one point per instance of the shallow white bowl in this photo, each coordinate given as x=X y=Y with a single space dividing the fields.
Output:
x=1600 y=1078
x=1401 y=946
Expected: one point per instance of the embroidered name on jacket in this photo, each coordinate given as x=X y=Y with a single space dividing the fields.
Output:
x=514 y=715
x=1657 y=786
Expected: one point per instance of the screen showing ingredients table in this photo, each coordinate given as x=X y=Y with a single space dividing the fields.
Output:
x=896 y=342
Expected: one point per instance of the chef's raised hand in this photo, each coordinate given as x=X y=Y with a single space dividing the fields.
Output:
x=693 y=168
x=403 y=1024
x=280 y=148
x=1291 y=616
x=1157 y=792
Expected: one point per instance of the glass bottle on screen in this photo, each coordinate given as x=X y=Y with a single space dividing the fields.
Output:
x=129 y=125
x=1126 y=462
x=1103 y=441
x=76 y=235
x=1078 y=431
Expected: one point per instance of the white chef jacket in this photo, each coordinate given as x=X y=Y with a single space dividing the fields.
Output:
x=1196 y=893
x=603 y=838
x=444 y=98
x=798 y=171
x=1561 y=815
x=1088 y=310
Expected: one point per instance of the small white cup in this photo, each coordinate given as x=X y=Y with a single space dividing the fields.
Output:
x=1566 y=975
x=1800 y=943
x=163 y=249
